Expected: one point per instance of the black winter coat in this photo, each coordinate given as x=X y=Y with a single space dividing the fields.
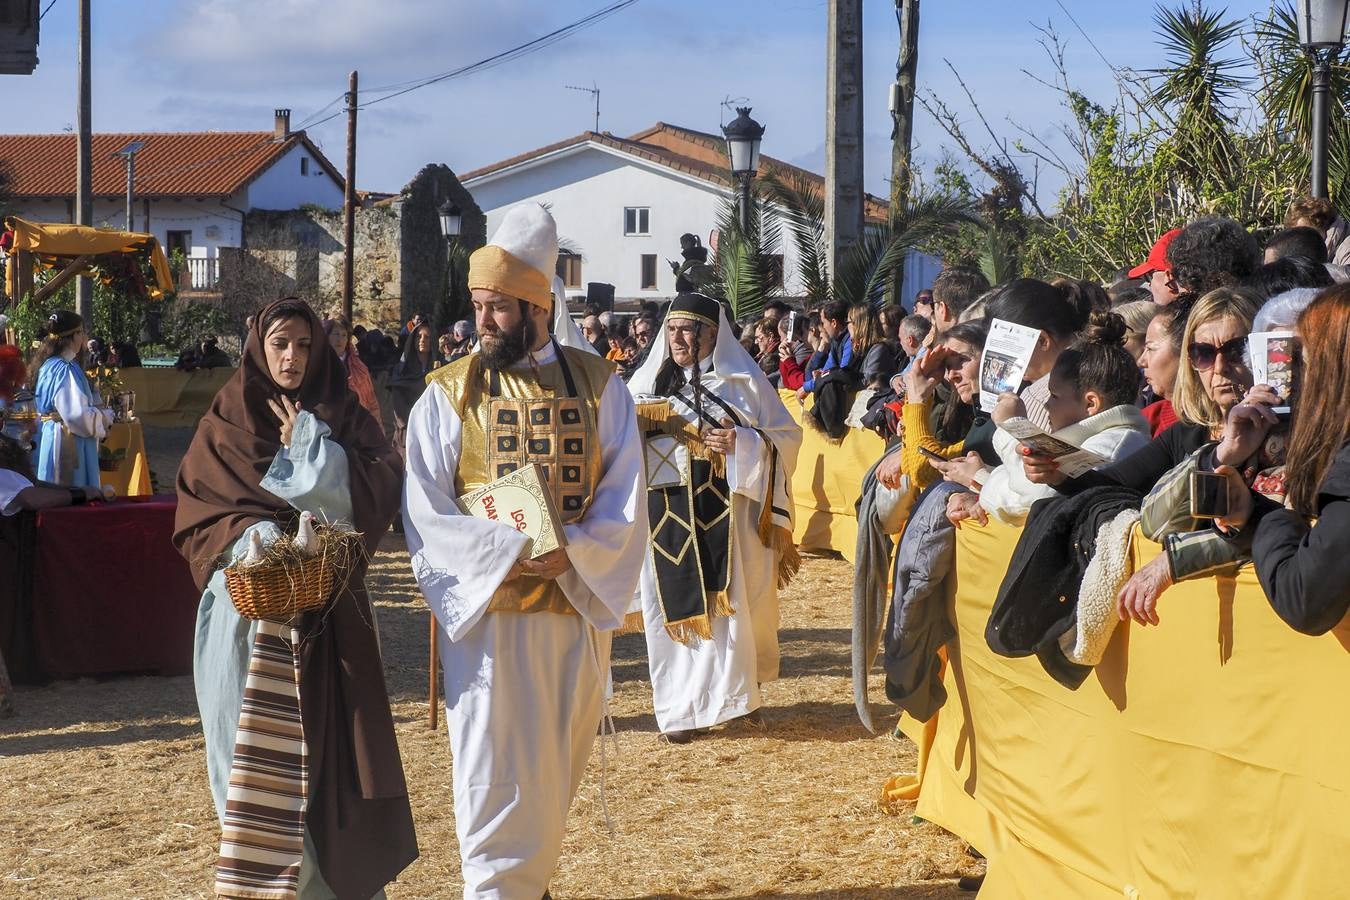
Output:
x=1038 y=600
x=1305 y=569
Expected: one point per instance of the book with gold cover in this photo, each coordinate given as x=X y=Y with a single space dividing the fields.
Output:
x=523 y=501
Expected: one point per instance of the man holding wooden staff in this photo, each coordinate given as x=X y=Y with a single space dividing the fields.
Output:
x=524 y=642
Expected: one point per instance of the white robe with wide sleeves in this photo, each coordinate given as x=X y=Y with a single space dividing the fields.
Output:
x=524 y=692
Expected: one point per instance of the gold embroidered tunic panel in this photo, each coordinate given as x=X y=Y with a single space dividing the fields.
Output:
x=511 y=419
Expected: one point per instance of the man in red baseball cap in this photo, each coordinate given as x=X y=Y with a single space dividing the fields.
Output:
x=1157 y=271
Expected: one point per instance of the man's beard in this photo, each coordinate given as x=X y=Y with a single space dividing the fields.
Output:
x=508 y=348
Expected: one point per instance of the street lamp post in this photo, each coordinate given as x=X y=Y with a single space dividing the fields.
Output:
x=743 y=136
x=452 y=220
x=1321 y=31
x=129 y=154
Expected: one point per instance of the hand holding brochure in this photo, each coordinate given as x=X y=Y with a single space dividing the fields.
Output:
x=1272 y=355
x=1073 y=460
x=1007 y=353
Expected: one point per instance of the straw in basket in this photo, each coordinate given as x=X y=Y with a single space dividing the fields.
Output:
x=286 y=582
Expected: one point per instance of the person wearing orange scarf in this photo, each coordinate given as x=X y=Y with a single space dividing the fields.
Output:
x=339 y=332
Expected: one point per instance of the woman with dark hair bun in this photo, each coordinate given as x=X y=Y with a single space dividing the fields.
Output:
x=1092 y=387
x=1058 y=314
x=72 y=421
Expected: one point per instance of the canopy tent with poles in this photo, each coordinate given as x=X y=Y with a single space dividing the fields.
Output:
x=79 y=250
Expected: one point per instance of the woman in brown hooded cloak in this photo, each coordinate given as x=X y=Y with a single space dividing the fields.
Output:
x=285 y=434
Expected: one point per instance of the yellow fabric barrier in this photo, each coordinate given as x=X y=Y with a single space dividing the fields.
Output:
x=169 y=398
x=132 y=477
x=827 y=482
x=1205 y=757
x=72 y=241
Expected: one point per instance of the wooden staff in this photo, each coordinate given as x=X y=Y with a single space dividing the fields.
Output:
x=433 y=662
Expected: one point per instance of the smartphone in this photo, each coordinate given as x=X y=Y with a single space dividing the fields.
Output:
x=1209 y=495
x=936 y=457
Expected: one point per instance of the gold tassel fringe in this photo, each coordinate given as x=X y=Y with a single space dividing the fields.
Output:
x=632 y=624
x=720 y=604
x=685 y=632
x=789 y=561
x=683 y=432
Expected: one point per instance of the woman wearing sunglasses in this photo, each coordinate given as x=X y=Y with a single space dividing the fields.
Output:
x=1214 y=377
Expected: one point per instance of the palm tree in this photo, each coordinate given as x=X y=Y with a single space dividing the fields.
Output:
x=1286 y=96
x=745 y=269
x=867 y=267
x=1195 y=91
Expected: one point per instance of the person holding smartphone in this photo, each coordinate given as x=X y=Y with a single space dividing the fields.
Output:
x=956 y=362
x=1301 y=550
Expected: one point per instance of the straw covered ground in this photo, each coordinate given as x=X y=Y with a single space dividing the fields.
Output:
x=103 y=784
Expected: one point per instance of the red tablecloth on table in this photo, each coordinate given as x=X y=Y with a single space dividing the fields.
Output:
x=110 y=593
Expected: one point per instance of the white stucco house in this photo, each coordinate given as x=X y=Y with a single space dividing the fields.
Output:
x=622 y=204
x=191 y=188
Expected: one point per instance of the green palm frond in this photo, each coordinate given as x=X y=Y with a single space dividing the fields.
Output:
x=802 y=206
x=745 y=261
x=999 y=259
x=867 y=268
x=1195 y=90
x=1287 y=95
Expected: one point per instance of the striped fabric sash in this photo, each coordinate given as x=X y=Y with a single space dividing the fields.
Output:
x=262 y=840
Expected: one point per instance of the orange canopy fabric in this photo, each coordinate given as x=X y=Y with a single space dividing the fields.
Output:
x=66 y=242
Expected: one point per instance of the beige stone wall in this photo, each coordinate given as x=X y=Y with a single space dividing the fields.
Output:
x=400 y=254
x=300 y=252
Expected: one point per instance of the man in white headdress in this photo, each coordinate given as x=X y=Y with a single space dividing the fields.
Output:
x=720 y=450
x=524 y=644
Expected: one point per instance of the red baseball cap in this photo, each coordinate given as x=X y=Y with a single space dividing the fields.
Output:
x=1157 y=257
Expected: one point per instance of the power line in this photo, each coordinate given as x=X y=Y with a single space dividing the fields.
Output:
x=517 y=52
x=514 y=53
x=397 y=90
x=46 y=10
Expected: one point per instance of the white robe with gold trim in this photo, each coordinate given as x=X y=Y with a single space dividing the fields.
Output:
x=706 y=682
x=524 y=692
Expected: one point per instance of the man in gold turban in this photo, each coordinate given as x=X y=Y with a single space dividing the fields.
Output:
x=524 y=643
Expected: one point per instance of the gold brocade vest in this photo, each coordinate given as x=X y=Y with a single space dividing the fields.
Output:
x=511 y=419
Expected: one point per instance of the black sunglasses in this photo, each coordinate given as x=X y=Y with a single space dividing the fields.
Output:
x=1203 y=356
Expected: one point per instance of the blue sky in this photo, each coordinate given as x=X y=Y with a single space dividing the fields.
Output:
x=225 y=64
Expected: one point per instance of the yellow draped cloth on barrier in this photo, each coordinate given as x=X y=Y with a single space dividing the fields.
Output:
x=1206 y=757
x=59 y=243
x=169 y=398
x=132 y=476
x=827 y=482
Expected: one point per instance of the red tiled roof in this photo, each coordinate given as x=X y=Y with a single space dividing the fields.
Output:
x=693 y=152
x=171 y=164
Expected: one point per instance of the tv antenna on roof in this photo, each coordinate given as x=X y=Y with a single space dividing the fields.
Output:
x=729 y=104
x=594 y=91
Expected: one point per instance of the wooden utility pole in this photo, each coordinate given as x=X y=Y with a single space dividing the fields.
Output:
x=902 y=114
x=349 y=205
x=843 y=131
x=84 y=169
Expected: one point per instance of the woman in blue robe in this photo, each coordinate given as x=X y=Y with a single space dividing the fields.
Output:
x=72 y=421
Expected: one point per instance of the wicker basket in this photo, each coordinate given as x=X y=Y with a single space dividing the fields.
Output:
x=280 y=592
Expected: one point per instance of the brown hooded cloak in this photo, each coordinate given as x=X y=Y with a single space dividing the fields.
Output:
x=358 y=813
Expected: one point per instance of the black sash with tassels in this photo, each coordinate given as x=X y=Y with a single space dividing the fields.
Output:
x=693 y=527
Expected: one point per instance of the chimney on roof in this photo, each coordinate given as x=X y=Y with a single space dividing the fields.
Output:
x=281 y=128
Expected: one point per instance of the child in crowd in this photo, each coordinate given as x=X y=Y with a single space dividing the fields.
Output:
x=1092 y=388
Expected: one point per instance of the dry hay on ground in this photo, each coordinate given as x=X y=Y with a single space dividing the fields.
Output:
x=104 y=788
